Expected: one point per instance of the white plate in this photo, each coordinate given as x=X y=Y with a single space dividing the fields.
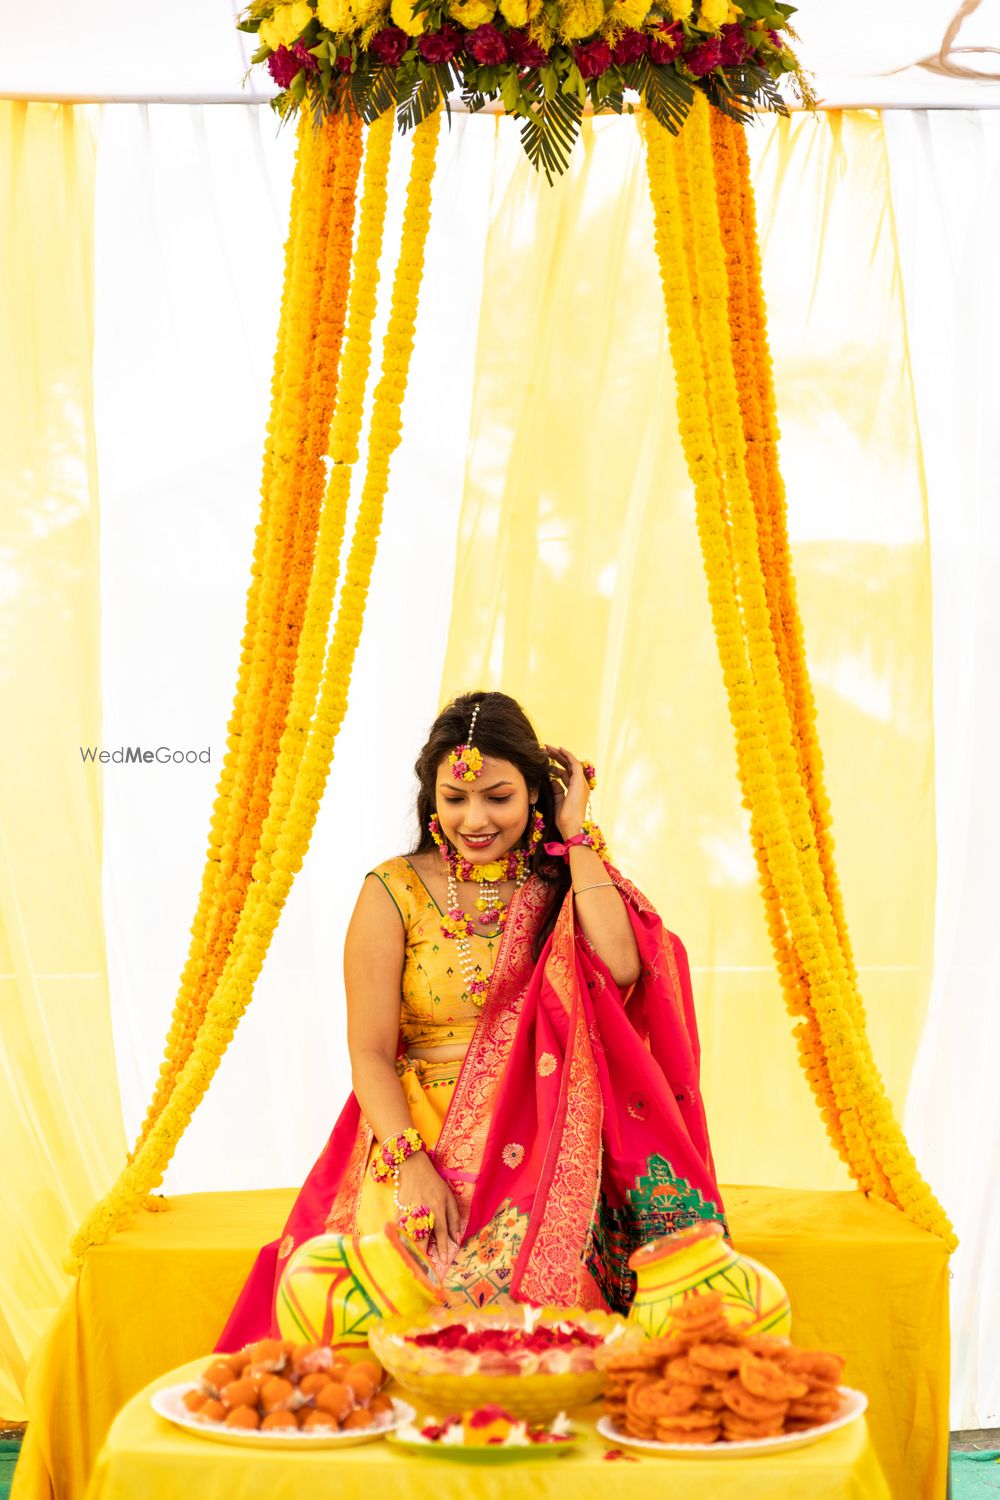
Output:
x=169 y=1403
x=854 y=1403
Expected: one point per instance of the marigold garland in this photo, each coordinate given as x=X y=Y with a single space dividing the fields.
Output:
x=773 y=743
x=305 y=377
x=305 y=773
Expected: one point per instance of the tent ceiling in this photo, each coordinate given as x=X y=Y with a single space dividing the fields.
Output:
x=884 y=52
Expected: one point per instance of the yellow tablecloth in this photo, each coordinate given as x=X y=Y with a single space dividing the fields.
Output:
x=861 y=1277
x=145 y=1458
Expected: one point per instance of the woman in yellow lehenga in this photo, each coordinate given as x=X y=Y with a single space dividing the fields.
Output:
x=523 y=1044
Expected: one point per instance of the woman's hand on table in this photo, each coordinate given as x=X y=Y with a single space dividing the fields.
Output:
x=420 y=1183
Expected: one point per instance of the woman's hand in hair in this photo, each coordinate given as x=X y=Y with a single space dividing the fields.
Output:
x=570 y=790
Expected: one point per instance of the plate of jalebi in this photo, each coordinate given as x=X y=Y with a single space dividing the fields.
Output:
x=707 y=1387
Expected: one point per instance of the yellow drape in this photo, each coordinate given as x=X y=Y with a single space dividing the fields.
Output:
x=60 y=1119
x=579 y=585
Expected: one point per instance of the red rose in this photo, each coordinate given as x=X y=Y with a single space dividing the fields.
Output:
x=630 y=46
x=735 y=47
x=305 y=57
x=666 y=43
x=487 y=45
x=440 y=46
x=283 y=67
x=594 y=59
x=706 y=56
x=388 y=45
x=525 y=51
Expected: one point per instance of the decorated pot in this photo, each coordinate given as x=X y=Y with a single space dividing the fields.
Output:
x=337 y=1285
x=698 y=1259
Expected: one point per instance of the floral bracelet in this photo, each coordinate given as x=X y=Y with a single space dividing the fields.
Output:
x=394 y=1150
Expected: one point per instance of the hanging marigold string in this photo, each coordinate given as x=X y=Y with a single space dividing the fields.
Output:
x=300 y=775
x=769 y=731
x=304 y=385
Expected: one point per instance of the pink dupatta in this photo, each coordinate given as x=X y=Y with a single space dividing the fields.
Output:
x=576 y=1131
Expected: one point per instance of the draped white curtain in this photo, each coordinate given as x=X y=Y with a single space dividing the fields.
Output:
x=946 y=198
x=191 y=217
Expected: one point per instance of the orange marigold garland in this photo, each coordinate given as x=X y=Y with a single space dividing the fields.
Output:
x=267 y=894
x=305 y=377
x=832 y=1038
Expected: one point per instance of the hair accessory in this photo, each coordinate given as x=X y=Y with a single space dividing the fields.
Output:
x=590 y=774
x=465 y=760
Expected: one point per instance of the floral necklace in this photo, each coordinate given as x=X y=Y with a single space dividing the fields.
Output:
x=456 y=923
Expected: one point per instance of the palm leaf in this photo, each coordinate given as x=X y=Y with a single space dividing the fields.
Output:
x=549 y=136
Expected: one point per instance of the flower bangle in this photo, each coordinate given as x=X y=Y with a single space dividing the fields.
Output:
x=394 y=1150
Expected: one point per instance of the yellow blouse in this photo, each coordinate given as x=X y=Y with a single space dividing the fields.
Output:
x=437 y=1011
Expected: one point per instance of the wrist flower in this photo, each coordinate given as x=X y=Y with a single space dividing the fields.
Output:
x=394 y=1150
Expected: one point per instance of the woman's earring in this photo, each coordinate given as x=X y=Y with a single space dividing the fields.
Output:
x=537 y=827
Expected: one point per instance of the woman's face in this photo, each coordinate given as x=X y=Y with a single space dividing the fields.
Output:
x=486 y=817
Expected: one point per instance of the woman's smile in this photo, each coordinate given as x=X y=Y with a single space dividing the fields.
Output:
x=478 y=840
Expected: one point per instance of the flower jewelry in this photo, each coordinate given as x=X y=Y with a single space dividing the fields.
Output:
x=465 y=760
x=394 y=1150
x=415 y=1219
x=456 y=922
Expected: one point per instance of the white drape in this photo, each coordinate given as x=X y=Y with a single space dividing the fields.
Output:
x=946 y=199
x=191 y=216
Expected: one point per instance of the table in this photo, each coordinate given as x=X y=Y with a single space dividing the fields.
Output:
x=862 y=1280
x=146 y=1456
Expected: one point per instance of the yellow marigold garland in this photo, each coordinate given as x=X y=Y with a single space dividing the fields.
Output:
x=266 y=897
x=697 y=293
x=305 y=375
x=732 y=159
x=785 y=819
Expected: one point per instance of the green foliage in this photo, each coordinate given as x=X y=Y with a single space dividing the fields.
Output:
x=549 y=133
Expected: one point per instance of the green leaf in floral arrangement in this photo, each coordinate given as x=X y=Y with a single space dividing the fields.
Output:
x=433 y=86
x=261 y=54
x=297 y=87
x=510 y=91
x=666 y=95
x=379 y=95
x=473 y=101
x=550 y=79
x=549 y=135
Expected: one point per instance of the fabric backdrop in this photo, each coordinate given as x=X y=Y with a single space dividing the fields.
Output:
x=543 y=540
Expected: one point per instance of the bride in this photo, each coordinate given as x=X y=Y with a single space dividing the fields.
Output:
x=523 y=1044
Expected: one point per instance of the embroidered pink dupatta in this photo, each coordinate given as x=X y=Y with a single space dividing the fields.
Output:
x=576 y=1131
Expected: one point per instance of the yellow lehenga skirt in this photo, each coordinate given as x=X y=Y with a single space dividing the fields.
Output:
x=428 y=1087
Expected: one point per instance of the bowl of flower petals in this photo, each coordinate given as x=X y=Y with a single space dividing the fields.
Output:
x=276 y=1391
x=532 y=1362
x=487 y=1435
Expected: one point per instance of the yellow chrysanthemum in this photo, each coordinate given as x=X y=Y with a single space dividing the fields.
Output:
x=287 y=24
x=680 y=9
x=734 y=13
x=712 y=14
x=627 y=13
x=337 y=16
x=580 y=18
x=519 y=12
x=408 y=20
x=472 y=13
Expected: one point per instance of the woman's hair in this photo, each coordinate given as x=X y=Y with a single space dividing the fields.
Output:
x=504 y=731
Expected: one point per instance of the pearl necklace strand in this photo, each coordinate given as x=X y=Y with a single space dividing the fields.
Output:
x=489 y=900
